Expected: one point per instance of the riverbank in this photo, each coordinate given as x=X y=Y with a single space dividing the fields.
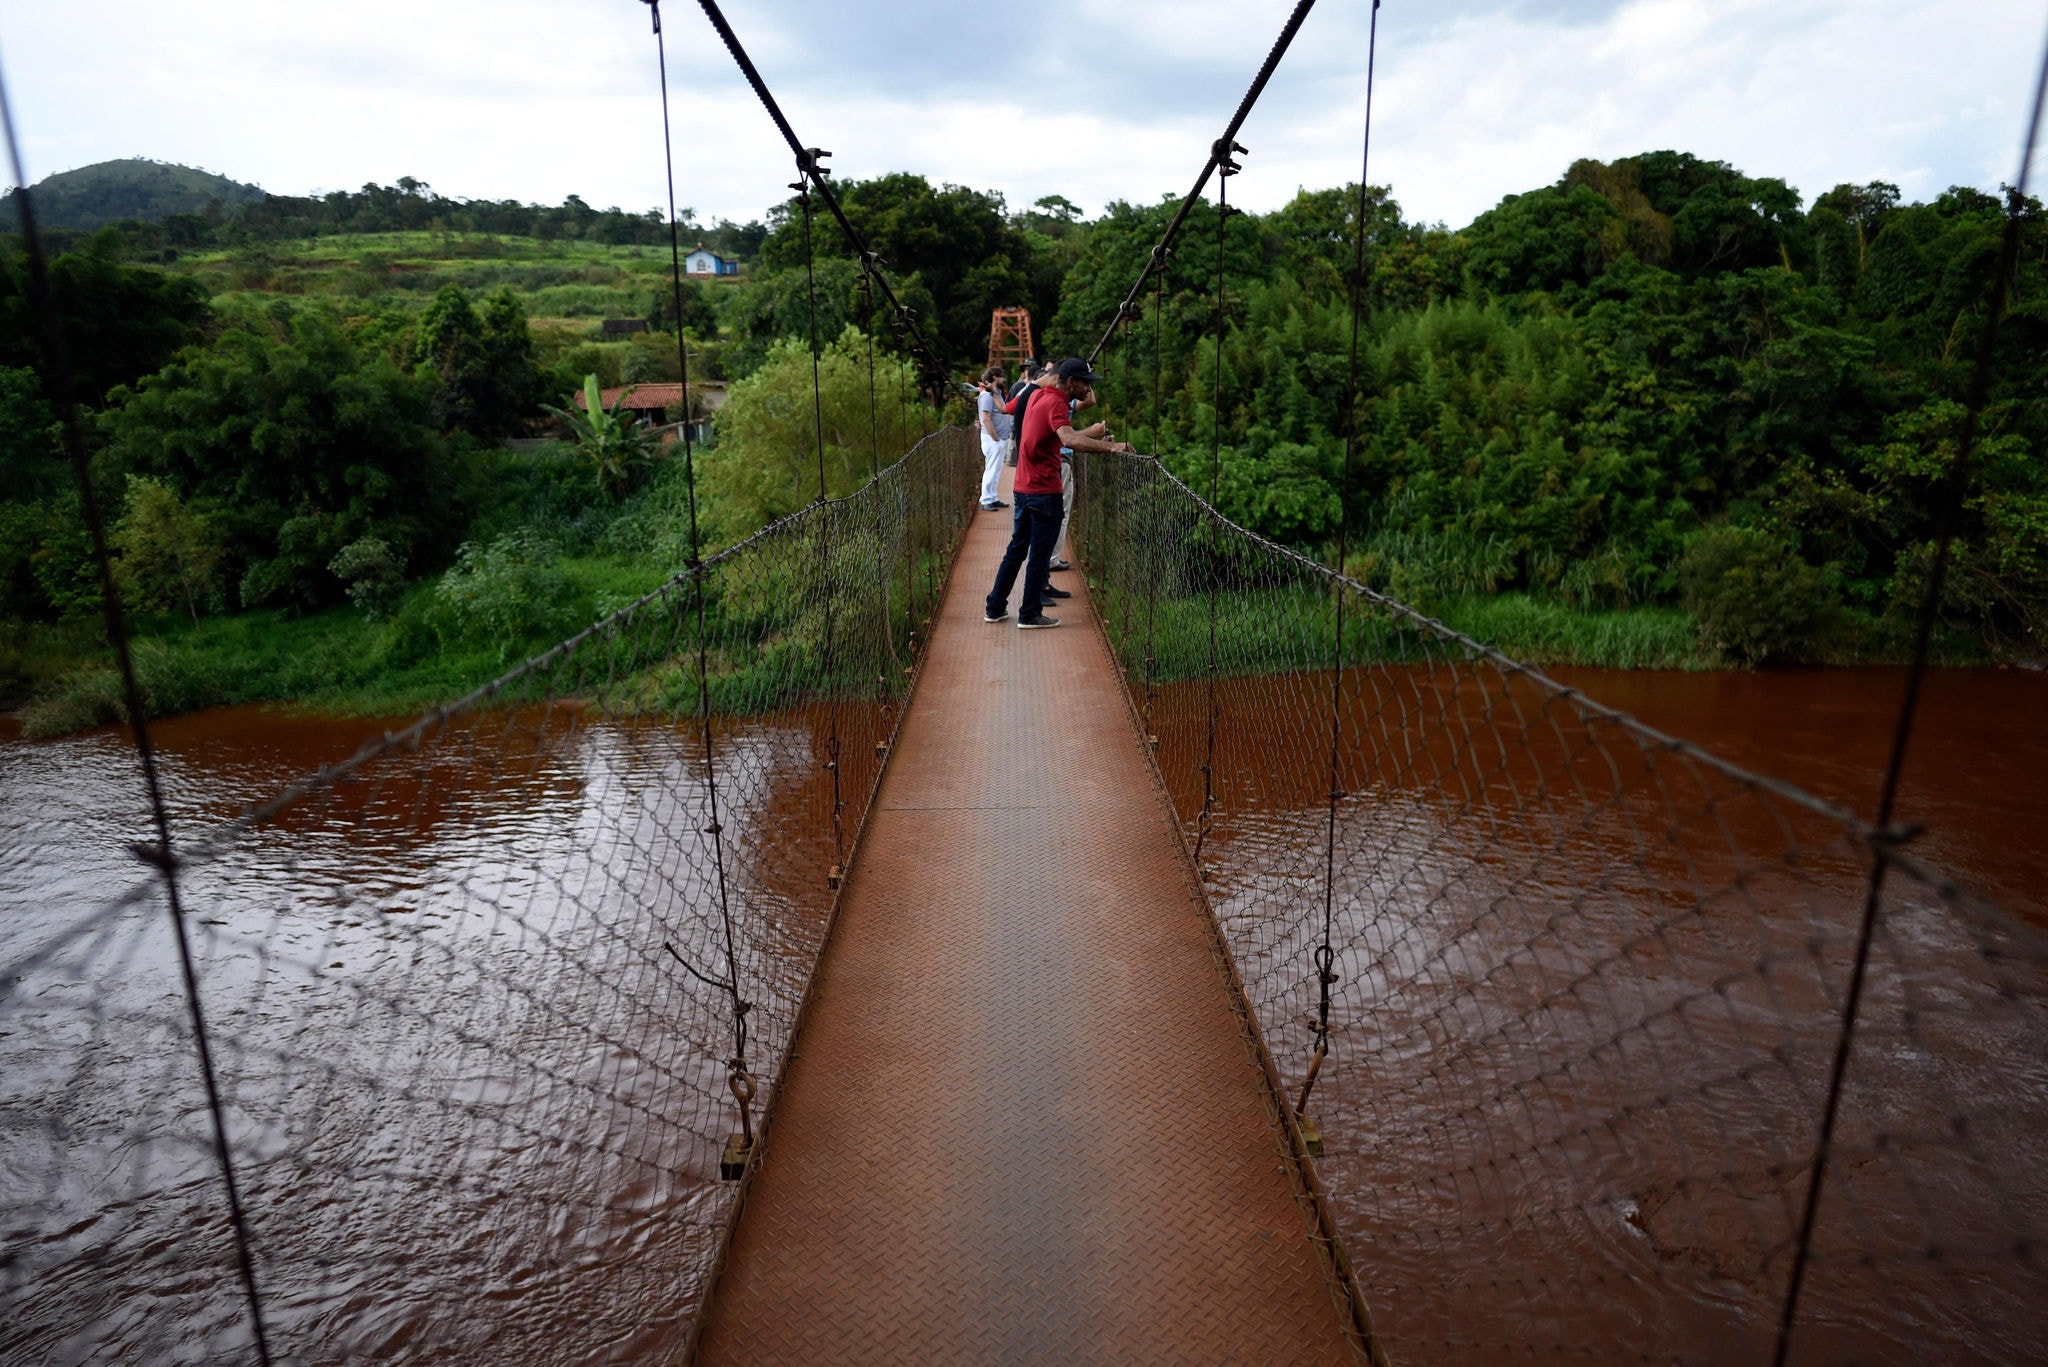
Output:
x=338 y=663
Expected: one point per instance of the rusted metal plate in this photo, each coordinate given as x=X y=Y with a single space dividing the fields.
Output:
x=1022 y=1123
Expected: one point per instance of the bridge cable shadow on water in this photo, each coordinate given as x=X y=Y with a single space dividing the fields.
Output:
x=1567 y=1003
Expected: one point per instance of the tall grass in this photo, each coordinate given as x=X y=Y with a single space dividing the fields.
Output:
x=1267 y=631
x=1544 y=632
x=332 y=661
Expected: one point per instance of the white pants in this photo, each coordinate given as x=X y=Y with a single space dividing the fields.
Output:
x=1059 y=549
x=992 y=452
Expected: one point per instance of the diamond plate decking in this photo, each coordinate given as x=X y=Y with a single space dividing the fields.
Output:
x=1022 y=1123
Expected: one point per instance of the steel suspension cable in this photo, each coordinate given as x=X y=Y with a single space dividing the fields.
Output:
x=1220 y=158
x=1106 y=551
x=161 y=855
x=1219 y=154
x=827 y=578
x=1151 y=548
x=738 y=1079
x=1886 y=838
x=803 y=199
x=866 y=286
x=1325 y=954
x=910 y=597
x=1158 y=345
x=809 y=161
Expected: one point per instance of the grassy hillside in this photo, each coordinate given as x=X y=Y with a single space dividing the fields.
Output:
x=554 y=280
x=109 y=191
x=565 y=287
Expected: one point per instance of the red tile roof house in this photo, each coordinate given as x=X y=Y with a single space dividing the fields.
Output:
x=651 y=404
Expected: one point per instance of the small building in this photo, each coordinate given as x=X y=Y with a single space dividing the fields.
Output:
x=651 y=402
x=615 y=328
x=703 y=261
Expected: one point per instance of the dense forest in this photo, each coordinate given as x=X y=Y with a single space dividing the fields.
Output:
x=1655 y=381
x=1657 y=392
x=132 y=189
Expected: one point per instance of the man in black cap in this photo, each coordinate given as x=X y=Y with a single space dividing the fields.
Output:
x=1045 y=425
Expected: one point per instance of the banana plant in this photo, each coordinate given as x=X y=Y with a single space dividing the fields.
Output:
x=611 y=437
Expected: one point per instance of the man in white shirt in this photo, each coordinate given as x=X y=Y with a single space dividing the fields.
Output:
x=995 y=437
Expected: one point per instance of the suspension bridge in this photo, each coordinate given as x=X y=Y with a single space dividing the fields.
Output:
x=793 y=966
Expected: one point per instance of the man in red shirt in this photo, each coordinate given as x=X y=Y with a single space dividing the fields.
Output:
x=1044 y=426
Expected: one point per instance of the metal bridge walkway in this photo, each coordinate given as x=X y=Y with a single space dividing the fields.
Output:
x=1022 y=1122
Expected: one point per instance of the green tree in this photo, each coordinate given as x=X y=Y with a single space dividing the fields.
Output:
x=34 y=467
x=765 y=464
x=169 y=554
x=1756 y=600
x=120 y=322
x=484 y=361
x=699 y=318
x=374 y=576
x=778 y=305
x=294 y=448
x=954 y=247
x=507 y=361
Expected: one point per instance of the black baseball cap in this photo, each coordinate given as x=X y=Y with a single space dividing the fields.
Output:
x=1074 y=368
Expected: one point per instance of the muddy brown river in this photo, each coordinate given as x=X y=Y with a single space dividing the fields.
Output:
x=478 y=1106
x=1589 y=989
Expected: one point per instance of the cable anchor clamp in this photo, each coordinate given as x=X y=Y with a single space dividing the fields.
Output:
x=1219 y=152
x=811 y=162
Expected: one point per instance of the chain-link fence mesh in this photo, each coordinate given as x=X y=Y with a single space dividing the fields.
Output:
x=466 y=991
x=1587 y=985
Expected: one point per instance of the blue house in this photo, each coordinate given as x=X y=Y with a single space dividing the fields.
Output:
x=703 y=261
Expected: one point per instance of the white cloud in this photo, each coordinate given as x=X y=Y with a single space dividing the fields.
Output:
x=537 y=99
x=1811 y=91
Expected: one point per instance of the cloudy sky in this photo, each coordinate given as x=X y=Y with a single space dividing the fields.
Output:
x=1096 y=100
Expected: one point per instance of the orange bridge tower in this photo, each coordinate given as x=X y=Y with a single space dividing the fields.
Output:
x=1009 y=339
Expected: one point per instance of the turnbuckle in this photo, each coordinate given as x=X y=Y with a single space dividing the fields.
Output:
x=732 y=1164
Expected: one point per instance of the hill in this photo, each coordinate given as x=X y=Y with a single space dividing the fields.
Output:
x=132 y=188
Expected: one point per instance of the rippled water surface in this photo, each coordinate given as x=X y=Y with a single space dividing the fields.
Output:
x=1588 y=993
x=1586 y=1004
x=475 y=1101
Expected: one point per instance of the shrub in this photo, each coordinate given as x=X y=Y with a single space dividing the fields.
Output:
x=374 y=576
x=1755 y=599
x=505 y=592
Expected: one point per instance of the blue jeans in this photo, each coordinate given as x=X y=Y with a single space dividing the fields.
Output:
x=1034 y=527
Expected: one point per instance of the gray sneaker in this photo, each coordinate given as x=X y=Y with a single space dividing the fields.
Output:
x=1041 y=620
x=988 y=616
